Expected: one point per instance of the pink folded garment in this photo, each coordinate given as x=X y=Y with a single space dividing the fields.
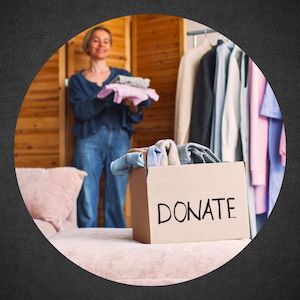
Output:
x=123 y=91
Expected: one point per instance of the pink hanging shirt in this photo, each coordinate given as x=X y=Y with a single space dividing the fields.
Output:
x=258 y=138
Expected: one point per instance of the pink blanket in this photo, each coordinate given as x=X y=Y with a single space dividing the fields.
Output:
x=123 y=91
x=111 y=253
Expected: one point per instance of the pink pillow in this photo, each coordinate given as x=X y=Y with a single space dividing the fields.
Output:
x=51 y=194
x=46 y=228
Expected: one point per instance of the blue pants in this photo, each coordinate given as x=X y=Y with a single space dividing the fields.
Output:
x=94 y=155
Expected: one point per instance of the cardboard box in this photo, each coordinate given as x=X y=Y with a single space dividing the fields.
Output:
x=189 y=203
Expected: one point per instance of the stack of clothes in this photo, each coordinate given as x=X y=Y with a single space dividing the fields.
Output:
x=137 y=88
x=163 y=153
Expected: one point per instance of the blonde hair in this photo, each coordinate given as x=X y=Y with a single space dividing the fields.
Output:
x=88 y=35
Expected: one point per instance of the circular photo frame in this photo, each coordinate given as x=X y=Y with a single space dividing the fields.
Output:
x=150 y=150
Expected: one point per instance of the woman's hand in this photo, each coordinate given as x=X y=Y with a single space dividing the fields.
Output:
x=128 y=102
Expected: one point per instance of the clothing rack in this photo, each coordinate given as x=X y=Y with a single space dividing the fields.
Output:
x=195 y=34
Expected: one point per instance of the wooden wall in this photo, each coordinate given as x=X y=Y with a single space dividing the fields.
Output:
x=157 y=46
x=39 y=136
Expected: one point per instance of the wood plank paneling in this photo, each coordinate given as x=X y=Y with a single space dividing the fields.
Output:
x=37 y=142
x=156 y=51
x=62 y=74
x=36 y=160
x=37 y=124
x=39 y=130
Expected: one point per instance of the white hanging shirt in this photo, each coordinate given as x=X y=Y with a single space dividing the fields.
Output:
x=189 y=64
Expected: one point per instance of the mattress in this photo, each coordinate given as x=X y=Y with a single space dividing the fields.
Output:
x=112 y=253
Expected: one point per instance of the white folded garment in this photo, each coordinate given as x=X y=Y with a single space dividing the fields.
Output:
x=132 y=81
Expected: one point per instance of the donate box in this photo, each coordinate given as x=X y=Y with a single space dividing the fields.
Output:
x=189 y=203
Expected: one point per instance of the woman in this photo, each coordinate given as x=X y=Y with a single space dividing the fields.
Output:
x=103 y=130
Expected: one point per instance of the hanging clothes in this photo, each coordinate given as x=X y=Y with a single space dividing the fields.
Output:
x=222 y=59
x=184 y=91
x=231 y=118
x=258 y=138
x=282 y=147
x=244 y=131
x=203 y=100
x=270 y=108
x=244 y=107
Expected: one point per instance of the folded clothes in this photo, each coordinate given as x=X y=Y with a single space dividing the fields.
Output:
x=191 y=153
x=123 y=91
x=126 y=163
x=141 y=149
x=169 y=152
x=153 y=156
x=138 y=82
x=163 y=153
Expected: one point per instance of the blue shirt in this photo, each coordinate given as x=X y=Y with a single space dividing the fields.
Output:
x=91 y=112
x=222 y=60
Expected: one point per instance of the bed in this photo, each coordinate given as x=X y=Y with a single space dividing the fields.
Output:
x=50 y=196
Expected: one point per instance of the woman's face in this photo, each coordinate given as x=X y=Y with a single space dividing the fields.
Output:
x=99 y=44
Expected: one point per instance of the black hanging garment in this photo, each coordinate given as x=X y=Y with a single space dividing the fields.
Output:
x=203 y=99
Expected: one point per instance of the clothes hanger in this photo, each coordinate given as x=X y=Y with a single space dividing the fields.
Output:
x=206 y=37
x=195 y=41
x=222 y=38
